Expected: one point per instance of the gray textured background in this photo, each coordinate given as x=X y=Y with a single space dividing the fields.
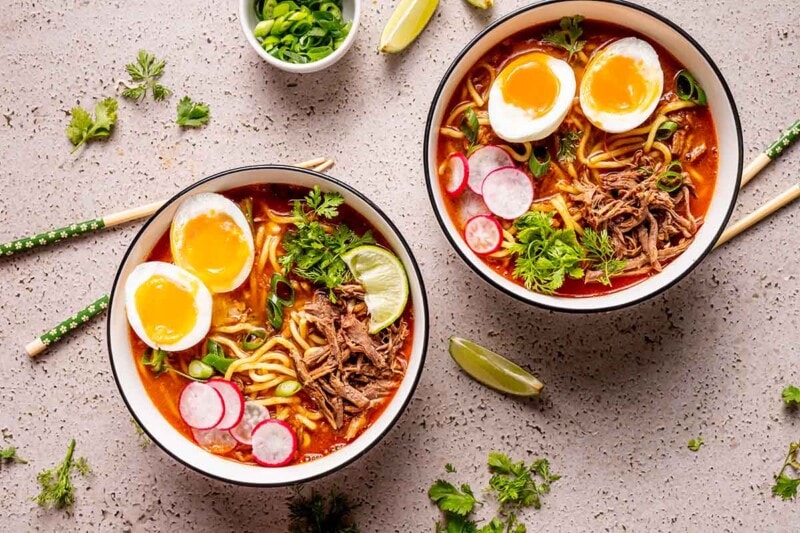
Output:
x=625 y=391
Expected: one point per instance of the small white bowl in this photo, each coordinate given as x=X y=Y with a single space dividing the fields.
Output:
x=689 y=53
x=169 y=439
x=351 y=11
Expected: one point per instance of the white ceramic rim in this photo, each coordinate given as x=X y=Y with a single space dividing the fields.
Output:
x=690 y=54
x=171 y=440
x=248 y=21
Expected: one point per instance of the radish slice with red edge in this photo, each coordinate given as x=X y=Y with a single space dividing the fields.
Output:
x=233 y=399
x=254 y=414
x=214 y=440
x=508 y=192
x=482 y=162
x=483 y=234
x=201 y=406
x=274 y=443
x=456 y=172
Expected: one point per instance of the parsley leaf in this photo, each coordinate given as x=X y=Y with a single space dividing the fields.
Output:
x=568 y=37
x=10 y=455
x=568 y=145
x=785 y=486
x=192 y=114
x=313 y=251
x=452 y=500
x=545 y=255
x=146 y=71
x=449 y=468
x=791 y=395
x=600 y=252
x=57 y=489
x=82 y=127
x=694 y=444
x=319 y=514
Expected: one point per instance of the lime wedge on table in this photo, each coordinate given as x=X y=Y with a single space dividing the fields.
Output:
x=384 y=280
x=493 y=370
x=407 y=21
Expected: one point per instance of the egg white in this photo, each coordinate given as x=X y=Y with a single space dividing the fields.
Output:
x=650 y=66
x=203 y=204
x=182 y=278
x=515 y=124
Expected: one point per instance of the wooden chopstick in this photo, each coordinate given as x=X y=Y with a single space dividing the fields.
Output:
x=52 y=336
x=319 y=164
x=782 y=200
x=771 y=153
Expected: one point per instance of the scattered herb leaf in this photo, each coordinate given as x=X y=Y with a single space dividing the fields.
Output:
x=452 y=500
x=319 y=514
x=694 y=444
x=146 y=71
x=568 y=37
x=192 y=114
x=513 y=484
x=449 y=468
x=144 y=440
x=791 y=395
x=785 y=486
x=9 y=455
x=600 y=252
x=324 y=205
x=568 y=145
x=57 y=489
x=83 y=127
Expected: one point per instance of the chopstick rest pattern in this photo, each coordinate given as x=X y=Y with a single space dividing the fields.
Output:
x=784 y=141
x=51 y=237
x=55 y=334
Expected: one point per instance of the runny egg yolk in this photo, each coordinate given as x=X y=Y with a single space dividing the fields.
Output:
x=618 y=85
x=167 y=310
x=530 y=84
x=214 y=248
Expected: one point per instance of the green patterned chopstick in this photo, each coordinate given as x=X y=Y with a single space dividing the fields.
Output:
x=40 y=343
x=772 y=152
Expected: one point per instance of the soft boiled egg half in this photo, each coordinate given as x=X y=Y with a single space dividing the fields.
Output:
x=622 y=85
x=211 y=238
x=167 y=307
x=531 y=97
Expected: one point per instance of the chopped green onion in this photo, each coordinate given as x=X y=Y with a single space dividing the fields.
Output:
x=470 y=125
x=254 y=339
x=220 y=363
x=246 y=205
x=274 y=311
x=279 y=284
x=473 y=148
x=687 y=88
x=156 y=359
x=670 y=180
x=213 y=347
x=288 y=388
x=665 y=130
x=539 y=163
x=200 y=370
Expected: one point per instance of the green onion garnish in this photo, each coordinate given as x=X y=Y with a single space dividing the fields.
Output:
x=280 y=285
x=670 y=180
x=156 y=359
x=539 y=163
x=470 y=125
x=200 y=370
x=274 y=311
x=665 y=130
x=254 y=339
x=288 y=388
x=687 y=88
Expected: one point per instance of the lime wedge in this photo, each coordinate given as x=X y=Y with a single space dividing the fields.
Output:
x=493 y=370
x=384 y=280
x=407 y=21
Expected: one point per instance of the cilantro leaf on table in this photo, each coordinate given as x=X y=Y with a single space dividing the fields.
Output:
x=192 y=114
x=694 y=444
x=320 y=514
x=791 y=395
x=83 y=127
x=146 y=71
x=56 y=484
x=10 y=455
x=451 y=499
x=786 y=486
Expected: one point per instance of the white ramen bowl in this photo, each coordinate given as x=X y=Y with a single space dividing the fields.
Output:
x=351 y=11
x=687 y=52
x=147 y=414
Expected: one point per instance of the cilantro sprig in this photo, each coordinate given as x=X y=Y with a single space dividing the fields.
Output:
x=568 y=145
x=9 y=455
x=514 y=483
x=192 y=114
x=791 y=396
x=786 y=486
x=314 y=250
x=146 y=71
x=83 y=127
x=57 y=489
x=568 y=37
x=600 y=252
x=320 y=514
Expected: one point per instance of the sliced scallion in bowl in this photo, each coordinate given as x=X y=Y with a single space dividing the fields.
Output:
x=301 y=31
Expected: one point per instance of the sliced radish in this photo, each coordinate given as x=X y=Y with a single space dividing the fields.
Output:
x=214 y=440
x=201 y=406
x=483 y=234
x=233 y=399
x=274 y=443
x=254 y=414
x=482 y=162
x=469 y=205
x=456 y=173
x=508 y=192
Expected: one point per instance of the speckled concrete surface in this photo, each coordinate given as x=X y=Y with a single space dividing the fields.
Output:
x=624 y=391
